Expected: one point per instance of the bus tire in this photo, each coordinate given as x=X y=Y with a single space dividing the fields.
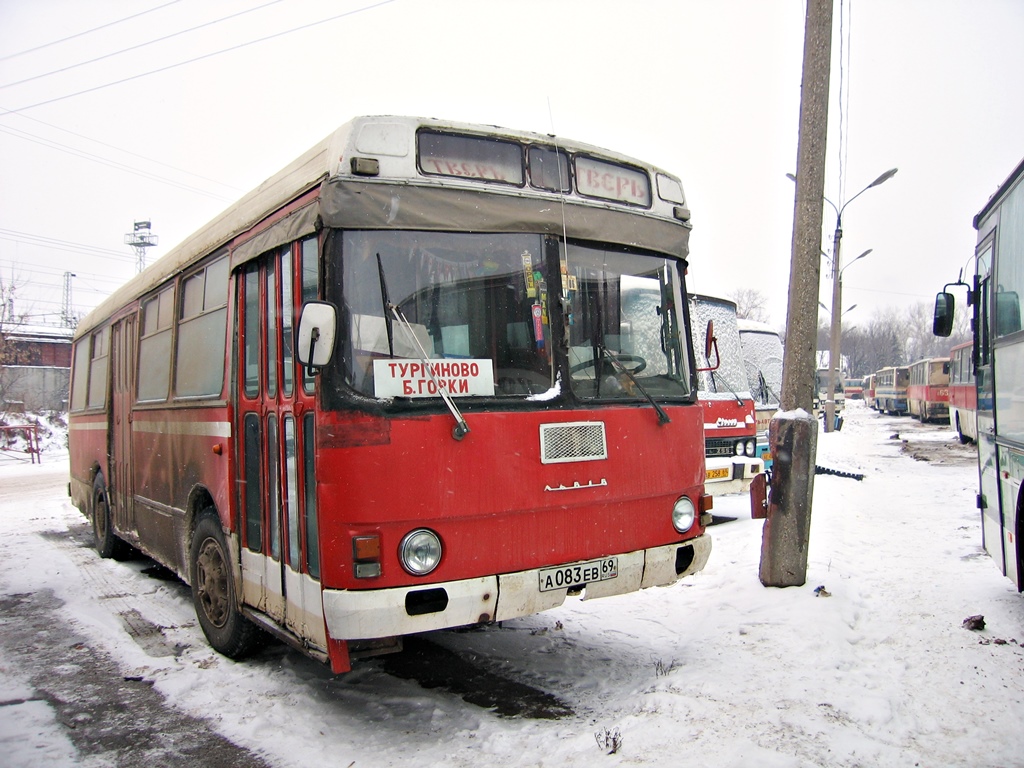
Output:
x=213 y=591
x=964 y=439
x=104 y=539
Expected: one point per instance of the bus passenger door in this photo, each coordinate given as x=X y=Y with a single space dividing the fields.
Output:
x=280 y=553
x=122 y=491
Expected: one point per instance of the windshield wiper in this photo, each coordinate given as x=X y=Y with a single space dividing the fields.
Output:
x=662 y=416
x=461 y=429
x=739 y=399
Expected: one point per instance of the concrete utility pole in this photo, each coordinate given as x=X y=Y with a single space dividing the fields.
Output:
x=793 y=433
x=140 y=240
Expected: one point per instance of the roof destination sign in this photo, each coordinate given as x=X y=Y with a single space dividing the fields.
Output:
x=475 y=158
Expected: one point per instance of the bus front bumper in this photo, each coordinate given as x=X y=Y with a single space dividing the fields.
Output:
x=378 y=613
x=727 y=475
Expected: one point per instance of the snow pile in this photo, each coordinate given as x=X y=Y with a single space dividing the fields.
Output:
x=868 y=664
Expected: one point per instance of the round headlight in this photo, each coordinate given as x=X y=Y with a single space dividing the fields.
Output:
x=683 y=514
x=420 y=551
x=751 y=447
x=739 y=448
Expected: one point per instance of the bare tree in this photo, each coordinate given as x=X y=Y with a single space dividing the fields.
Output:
x=751 y=304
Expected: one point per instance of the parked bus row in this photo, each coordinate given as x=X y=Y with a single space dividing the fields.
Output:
x=920 y=390
x=428 y=375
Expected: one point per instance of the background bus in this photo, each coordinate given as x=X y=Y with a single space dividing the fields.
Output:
x=853 y=388
x=428 y=375
x=869 y=390
x=762 y=359
x=891 y=390
x=928 y=389
x=730 y=426
x=963 y=396
x=821 y=377
x=998 y=355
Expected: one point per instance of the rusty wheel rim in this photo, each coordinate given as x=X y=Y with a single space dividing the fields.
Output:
x=212 y=583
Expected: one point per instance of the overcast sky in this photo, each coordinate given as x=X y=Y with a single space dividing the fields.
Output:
x=178 y=128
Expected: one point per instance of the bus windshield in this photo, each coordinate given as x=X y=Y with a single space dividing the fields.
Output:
x=483 y=312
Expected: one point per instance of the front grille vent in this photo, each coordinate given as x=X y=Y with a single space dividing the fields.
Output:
x=574 y=441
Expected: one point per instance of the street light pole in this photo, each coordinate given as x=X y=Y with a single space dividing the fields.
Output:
x=835 y=332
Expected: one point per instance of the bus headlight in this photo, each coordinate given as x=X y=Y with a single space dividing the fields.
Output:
x=750 y=447
x=738 y=448
x=683 y=514
x=420 y=551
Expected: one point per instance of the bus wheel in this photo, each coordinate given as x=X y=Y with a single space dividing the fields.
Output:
x=964 y=439
x=213 y=592
x=106 y=542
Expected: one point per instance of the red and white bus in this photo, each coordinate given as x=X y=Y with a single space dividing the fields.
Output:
x=997 y=296
x=869 y=390
x=429 y=375
x=928 y=389
x=730 y=422
x=963 y=395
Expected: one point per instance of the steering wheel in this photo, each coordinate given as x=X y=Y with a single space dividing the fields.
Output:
x=637 y=361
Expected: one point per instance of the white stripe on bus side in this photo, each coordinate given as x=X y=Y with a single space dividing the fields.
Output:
x=199 y=428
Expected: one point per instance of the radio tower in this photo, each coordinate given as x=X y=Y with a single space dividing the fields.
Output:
x=67 y=317
x=140 y=240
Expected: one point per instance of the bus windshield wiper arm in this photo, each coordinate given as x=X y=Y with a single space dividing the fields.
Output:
x=662 y=416
x=727 y=386
x=461 y=429
x=387 y=303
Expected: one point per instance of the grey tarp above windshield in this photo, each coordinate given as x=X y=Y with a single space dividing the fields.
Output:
x=354 y=205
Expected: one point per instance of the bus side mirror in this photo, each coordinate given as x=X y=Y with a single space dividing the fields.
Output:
x=942 y=323
x=711 y=345
x=314 y=343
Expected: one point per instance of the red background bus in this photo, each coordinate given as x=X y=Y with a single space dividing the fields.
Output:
x=928 y=389
x=963 y=395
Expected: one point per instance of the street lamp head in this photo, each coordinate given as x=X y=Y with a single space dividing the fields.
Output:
x=883 y=178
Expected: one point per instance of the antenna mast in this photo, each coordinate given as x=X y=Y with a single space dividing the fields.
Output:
x=140 y=240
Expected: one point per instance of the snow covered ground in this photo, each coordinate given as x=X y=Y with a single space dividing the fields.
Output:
x=715 y=671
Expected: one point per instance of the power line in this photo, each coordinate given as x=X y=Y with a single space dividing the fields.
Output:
x=199 y=58
x=127 y=152
x=29 y=238
x=86 y=32
x=24 y=135
x=139 y=45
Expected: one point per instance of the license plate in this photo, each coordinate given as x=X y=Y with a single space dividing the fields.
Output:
x=718 y=474
x=578 y=574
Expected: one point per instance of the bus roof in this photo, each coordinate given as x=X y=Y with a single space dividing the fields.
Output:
x=754 y=326
x=998 y=194
x=389 y=140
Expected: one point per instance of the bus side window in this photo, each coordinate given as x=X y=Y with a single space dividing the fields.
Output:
x=202 y=324
x=251 y=342
x=80 y=377
x=155 y=346
x=1007 y=313
x=310 y=258
x=252 y=488
x=98 y=368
